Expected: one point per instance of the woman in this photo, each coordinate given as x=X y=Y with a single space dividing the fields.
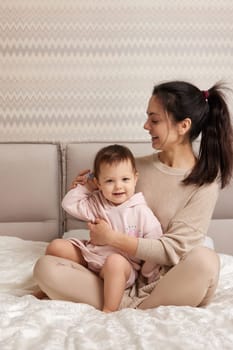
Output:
x=181 y=187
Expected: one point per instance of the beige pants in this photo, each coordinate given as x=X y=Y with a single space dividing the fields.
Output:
x=192 y=282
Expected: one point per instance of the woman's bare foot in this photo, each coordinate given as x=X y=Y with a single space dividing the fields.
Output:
x=39 y=294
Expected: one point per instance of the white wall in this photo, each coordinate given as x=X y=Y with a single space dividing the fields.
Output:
x=77 y=70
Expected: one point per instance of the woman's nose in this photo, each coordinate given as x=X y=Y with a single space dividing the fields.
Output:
x=146 y=125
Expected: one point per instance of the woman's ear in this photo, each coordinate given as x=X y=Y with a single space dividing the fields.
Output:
x=184 y=126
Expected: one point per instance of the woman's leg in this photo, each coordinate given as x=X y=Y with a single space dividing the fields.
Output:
x=64 y=249
x=115 y=274
x=62 y=279
x=192 y=281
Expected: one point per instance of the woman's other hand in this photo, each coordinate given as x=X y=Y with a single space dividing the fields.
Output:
x=101 y=232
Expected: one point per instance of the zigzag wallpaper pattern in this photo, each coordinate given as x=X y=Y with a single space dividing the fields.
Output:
x=83 y=70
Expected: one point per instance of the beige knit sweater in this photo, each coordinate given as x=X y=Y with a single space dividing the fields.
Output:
x=183 y=211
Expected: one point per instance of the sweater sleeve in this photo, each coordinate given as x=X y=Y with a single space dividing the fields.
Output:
x=79 y=202
x=186 y=229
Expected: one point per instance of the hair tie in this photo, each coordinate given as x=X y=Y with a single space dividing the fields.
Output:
x=206 y=94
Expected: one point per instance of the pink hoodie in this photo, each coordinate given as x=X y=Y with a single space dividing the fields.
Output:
x=132 y=217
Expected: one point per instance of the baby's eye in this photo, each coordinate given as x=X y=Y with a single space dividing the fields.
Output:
x=108 y=181
x=125 y=179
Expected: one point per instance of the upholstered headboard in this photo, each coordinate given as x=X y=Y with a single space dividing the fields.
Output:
x=30 y=178
x=34 y=177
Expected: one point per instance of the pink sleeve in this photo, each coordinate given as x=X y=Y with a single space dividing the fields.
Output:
x=79 y=203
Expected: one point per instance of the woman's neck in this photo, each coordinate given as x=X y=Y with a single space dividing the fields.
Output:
x=180 y=158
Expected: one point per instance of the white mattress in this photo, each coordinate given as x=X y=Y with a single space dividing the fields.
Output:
x=30 y=324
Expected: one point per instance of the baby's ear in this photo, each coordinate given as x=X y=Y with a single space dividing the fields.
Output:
x=96 y=182
x=136 y=176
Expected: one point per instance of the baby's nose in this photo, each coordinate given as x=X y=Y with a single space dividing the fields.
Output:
x=118 y=184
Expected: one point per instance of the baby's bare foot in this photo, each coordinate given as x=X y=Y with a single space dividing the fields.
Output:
x=106 y=310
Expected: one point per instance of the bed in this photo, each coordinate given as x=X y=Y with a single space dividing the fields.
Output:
x=31 y=188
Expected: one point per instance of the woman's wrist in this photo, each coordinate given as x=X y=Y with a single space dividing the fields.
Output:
x=125 y=243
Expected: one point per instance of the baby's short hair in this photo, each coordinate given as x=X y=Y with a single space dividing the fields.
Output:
x=113 y=154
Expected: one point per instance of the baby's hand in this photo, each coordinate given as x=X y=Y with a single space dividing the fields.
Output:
x=85 y=178
x=90 y=182
x=80 y=179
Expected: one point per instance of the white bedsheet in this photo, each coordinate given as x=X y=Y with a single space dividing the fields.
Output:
x=30 y=324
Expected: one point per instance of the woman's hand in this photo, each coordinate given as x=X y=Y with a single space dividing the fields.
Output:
x=101 y=232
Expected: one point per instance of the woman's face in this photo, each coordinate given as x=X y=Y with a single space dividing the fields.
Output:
x=163 y=130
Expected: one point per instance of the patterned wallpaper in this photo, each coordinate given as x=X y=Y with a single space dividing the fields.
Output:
x=75 y=70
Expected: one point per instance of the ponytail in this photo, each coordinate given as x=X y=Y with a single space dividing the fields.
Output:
x=215 y=159
x=210 y=118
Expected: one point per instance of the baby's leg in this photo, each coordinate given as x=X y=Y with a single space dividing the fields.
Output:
x=115 y=274
x=65 y=249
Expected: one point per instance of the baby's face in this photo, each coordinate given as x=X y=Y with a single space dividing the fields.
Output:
x=117 y=181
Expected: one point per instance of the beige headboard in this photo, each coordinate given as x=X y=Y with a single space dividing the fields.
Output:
x=30 y=190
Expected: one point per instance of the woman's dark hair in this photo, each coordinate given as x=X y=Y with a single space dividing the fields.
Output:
x=113 y=154
x=210 y=118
